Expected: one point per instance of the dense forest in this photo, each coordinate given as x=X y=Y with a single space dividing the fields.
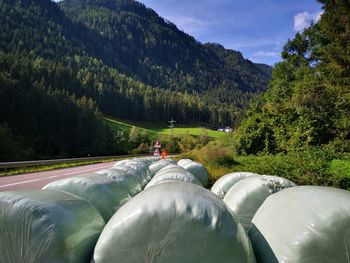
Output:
x=64 y=65
x=308 y=100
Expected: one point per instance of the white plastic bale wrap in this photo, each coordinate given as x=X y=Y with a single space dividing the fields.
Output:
x=106 y=194
x=172 y=223
x=247 y=195
x=157 y=166
x=184 y=161
x=173 y=173
x=132 y=181
x=198 y=170
x=141 y=168
x=305 y=224
x=224 y=183
x=47 y=226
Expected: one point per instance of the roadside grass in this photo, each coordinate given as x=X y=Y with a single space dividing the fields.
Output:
x=156 y=129
x=34 y=169
x=315 y=166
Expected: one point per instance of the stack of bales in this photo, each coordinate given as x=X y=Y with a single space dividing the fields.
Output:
x=289 y=223
x=174 y=222
x=146 y=210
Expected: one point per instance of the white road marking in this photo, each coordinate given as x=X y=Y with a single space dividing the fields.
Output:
x=24 y=182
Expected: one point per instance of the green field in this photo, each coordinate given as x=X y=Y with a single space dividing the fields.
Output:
x=157 y=128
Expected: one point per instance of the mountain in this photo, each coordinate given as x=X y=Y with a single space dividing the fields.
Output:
x=154 y=51
x=111 y=57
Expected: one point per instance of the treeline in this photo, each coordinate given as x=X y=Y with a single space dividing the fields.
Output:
x=41 y=120
x=308 y=100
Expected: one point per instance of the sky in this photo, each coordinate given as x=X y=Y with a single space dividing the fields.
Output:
x=257 y=28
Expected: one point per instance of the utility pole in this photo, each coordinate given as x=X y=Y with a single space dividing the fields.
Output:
x=172 y=125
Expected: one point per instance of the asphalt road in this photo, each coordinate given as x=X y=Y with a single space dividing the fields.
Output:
x=40 y=179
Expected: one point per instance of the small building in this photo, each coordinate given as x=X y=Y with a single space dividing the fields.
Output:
x=228 y=129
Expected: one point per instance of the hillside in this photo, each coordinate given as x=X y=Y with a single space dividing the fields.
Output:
x=150 y=49
x=62 y=65
x=134 y=40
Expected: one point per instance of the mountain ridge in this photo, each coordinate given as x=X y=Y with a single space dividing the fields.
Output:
x=159 y=48
x=58 y=74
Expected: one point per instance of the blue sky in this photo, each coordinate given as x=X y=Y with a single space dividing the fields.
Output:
x=257 y=28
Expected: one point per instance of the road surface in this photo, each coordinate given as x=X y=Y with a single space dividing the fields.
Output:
x=40 y=179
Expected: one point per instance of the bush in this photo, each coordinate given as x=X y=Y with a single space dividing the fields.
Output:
x=143 y=148
x=326 y=166
x=187 y=143
x=340 y=170
x=170 y=143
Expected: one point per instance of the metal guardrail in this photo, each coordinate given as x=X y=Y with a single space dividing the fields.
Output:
x=6 y=165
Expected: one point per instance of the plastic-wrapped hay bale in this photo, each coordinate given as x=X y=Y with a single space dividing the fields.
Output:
x=122 y=162
x=138 y=160
x=305 y=224
x=171 y=168
x=246 y=196
x=142 y=169
x=106 y=194
x=173 y=176
x=132 y=181
x=184 y=161
x=197 y=169
x=139 y=165
x=175 y=172
x=47 y=226
x=172 y=223
x=157 y=166
x=224 y=183
x=138 y=171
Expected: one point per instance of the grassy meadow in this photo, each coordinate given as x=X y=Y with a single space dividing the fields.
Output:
x=156 y=129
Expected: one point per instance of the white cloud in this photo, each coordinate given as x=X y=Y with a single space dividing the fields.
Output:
x=271 y=54
x=304 y=19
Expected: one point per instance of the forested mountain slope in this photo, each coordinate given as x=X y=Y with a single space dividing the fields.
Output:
x=153 y=50
x=68 y=62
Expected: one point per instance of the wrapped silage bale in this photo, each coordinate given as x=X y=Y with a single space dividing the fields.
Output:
x=131 y=179
x=247 y=195
x=173 y=173
x=106 y=194
x=47 y=226
x=157 y=166
x=122 y=162
x=224 y=183
x=198 y=170
x=144 y=161
x=307 y=224
x=135 y=174
x=141 y=168
x=184 y=161
x=172 y=223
